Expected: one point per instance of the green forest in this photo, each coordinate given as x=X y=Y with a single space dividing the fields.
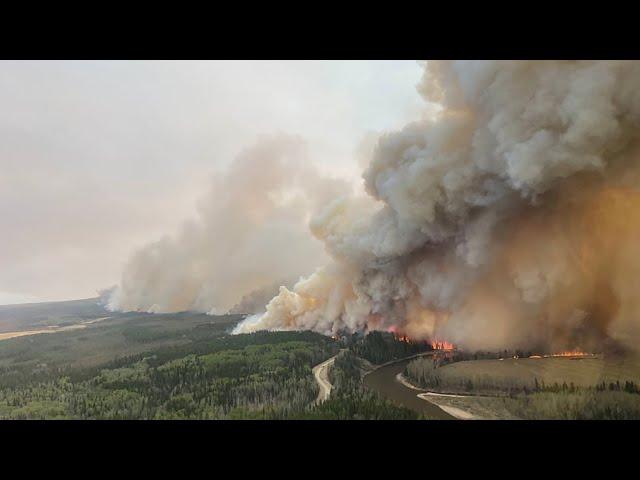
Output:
x=189 y=367
x=264 y=375
x=350 y=400
x=383 y=347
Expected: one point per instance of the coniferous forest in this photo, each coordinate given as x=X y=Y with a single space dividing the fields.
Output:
x=181 y=367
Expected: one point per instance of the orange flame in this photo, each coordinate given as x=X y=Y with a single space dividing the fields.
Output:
x=568 y=353
x=572 y=353
x=402 y=338
x=442 y=345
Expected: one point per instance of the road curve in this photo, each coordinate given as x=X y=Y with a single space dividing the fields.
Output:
x=321 y=374
x=385 y=381
x=458 y=413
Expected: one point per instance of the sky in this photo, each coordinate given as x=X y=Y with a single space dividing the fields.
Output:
x=100 y=158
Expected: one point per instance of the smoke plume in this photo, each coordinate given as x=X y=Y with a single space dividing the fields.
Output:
x=510 y=219
x=251 y=231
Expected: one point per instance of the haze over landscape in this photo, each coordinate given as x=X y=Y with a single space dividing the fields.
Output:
x=320 y=240
x=100 y=158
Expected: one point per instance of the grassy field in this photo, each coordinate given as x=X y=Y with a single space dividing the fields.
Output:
x=570 y=405
x=542 y=388
x=495 y=376
x=484 y=408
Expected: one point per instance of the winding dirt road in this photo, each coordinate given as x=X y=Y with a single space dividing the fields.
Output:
x=453 y=411
x=428 y=396
x=321 y=374
x=386 y=380
x=50 y=329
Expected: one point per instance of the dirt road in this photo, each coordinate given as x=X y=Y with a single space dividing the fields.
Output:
x=321 y=374
x=50 y=329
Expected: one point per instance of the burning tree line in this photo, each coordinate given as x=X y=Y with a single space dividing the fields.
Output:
x=445 y=346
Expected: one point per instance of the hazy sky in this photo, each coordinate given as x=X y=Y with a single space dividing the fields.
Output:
x=99 y=158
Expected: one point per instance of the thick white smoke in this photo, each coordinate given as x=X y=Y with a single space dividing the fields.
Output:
x=480 y=222
x=251 y=231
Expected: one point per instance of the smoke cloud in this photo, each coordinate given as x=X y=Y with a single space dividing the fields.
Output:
x=251 y=231
x=511 y=218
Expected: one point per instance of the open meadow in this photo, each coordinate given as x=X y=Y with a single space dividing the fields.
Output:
x=594 y=387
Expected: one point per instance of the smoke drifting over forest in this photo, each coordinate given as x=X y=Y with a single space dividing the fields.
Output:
x=510 y=219
x=251 y=231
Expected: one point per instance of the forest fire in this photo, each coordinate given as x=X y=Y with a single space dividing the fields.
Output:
x=442 y=345
x=401 y=337
x=571 y=353
x=565 y=354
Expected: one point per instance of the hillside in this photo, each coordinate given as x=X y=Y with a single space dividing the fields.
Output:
x=37 y=315
x=175 y=366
